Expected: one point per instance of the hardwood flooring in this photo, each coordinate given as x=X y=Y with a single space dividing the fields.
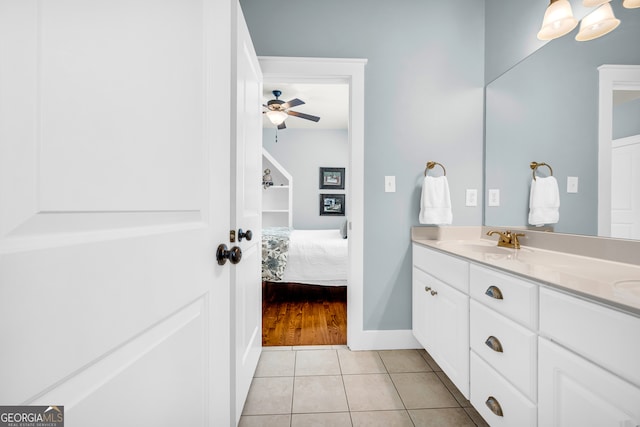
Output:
x=294 y=314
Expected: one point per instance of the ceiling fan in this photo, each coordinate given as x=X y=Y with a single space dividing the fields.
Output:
x=278 y=110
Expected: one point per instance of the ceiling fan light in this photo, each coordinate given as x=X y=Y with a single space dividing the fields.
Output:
x=594 y=3
x=558 y=20
x=277 y=117
x=598 y=23
x=631 y=4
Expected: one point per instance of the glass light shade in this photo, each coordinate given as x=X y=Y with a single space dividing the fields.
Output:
x=598 y=23
x=594 y=3
x=277 y=117
x=631 y=4
x=558 y=20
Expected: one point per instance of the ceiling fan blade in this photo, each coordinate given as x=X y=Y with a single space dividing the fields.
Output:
x=282 y=126
x=293 y=103
x=303 y=115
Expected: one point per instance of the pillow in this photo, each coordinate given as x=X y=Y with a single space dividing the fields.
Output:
x=343 y=229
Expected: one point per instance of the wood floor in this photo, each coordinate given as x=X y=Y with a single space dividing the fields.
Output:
x=294 y=314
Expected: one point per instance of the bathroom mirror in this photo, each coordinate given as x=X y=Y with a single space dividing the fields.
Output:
x=546 y=109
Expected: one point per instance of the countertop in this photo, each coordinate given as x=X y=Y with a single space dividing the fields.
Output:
x=615 y=284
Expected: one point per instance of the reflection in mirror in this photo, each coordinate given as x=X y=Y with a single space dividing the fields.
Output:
x=619 y=152
x=545 y=109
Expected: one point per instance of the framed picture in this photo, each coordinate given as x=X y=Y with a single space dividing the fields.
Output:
x=332 y=178
x=332 y=204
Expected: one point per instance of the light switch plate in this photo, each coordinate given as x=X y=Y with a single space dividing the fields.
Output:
x=390 y=184
x=572 y=184
x=472 y=197
x=494 y=197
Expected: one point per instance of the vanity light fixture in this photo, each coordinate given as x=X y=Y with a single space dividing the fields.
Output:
x=559 y=20
x=598 y=23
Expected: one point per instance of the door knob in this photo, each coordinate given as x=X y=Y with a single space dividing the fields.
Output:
x=244 y=234
x=223 y=254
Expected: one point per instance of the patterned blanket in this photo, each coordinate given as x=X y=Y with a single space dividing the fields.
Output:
x=275 y=248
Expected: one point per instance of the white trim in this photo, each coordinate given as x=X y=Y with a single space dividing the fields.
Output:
x=350 y=71
x=612 y=77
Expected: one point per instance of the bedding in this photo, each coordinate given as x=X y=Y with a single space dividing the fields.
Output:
x=316 y=257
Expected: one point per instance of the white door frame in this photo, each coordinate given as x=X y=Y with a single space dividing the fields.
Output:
x=612 y=77
x=351 y=72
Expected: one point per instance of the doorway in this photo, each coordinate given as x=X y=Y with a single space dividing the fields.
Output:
x=351 y=73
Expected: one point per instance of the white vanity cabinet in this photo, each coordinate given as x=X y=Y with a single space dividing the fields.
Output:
x=589 y=363
x=503 y=341
x=441 y=311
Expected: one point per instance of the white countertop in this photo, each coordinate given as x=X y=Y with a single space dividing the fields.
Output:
x=612 y=283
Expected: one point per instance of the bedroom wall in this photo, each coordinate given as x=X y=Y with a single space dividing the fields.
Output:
x=302 y=152
x=424 y=101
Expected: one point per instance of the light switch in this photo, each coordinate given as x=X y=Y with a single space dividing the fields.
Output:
x=572 y=184
x=472 y=197
x=494 y=197
x=390 y=184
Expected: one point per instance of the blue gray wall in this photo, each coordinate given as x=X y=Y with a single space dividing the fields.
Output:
x=626 y=119
x=302 y=152
x=545 y=109
x=424 y=101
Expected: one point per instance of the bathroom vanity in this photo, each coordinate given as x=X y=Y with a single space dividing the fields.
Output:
x=532 y=337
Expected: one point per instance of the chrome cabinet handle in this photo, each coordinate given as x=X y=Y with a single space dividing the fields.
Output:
x=494 y=292
x=494 y=344
x=494 y=406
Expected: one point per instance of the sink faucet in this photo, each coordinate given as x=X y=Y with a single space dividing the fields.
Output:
x=507 y=239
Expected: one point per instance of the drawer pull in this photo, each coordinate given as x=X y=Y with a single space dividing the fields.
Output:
x=427 y=288
x=494 y=344
x=494 y=292
x=494 y=406
x=433 y=293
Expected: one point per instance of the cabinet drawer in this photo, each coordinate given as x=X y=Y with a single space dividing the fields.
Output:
x=516 y=409
x=447 y=268
x=515 y=298
x=508 y=347
x=603 y=335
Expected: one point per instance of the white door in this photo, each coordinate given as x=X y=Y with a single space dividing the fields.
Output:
x=111 y=302
x=625 y=188
x=246 y=215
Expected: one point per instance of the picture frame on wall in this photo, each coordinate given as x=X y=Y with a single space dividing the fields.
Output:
x=332 y=204
x=332 y=178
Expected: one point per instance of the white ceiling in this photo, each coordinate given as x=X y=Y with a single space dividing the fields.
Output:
x=330 y=102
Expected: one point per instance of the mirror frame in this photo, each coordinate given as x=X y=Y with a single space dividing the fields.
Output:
x=611 y=77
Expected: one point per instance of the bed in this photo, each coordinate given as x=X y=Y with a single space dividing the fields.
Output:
x=313 y=257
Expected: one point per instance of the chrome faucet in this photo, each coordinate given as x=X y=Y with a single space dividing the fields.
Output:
x=507 y=238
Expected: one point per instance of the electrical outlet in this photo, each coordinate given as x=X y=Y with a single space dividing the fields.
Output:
x=472 y=197
x=390 y=184
x=494 y=197
x=572 y=184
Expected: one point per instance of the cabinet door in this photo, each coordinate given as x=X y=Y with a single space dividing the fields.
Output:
x=423 y=312
x=575 y=392
x=452 y=334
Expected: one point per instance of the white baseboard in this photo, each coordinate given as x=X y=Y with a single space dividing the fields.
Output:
x=382 y=340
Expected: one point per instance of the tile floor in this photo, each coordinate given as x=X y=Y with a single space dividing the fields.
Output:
x=333 y=386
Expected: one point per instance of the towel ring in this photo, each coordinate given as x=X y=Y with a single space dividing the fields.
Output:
x=534 y=166
x=431 y=165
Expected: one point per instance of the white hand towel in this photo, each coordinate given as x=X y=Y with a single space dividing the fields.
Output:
x=544 y=201
x=435 y=202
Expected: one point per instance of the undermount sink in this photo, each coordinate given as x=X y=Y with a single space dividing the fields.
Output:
x=627 y=289
x=483 y=246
